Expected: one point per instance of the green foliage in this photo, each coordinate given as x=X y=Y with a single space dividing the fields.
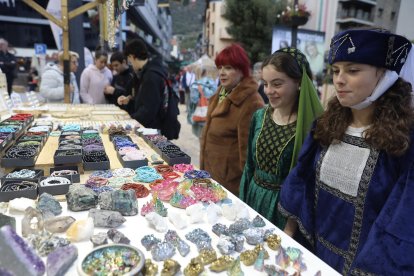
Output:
x=251 y=24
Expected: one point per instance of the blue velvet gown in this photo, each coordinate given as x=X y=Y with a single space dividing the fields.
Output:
x=370 y=232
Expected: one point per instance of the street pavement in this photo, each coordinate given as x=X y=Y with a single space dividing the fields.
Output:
x=187 y=141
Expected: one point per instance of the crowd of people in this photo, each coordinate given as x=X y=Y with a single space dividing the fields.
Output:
x=338 y=180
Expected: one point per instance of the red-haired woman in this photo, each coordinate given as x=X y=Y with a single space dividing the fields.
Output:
x=225 y=135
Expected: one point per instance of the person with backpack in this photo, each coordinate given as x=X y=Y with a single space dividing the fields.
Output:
x=155 y=105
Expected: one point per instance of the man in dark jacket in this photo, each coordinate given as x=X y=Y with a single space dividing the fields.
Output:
x=149 y=106
x=122 y=83
x=7 y=63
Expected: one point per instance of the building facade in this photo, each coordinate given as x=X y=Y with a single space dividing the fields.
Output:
x=22 y=26
x=216 y=37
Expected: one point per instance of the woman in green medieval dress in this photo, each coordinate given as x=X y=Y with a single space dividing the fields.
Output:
x=278 y=130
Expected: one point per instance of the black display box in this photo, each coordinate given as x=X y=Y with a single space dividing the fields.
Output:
x=74 y=178
x=7 y=196
x=95 y=166
x=70 y=159
x=38 y=174
x=60 y=189
x=18 y=162
x=186 y=159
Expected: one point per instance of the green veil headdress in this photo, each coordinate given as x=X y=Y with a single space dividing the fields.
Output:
x=309 y=105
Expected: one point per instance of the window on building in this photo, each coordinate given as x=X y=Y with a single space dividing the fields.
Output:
x=213 y=7
x=212 y=28
x=392 y=15
x=379 y=14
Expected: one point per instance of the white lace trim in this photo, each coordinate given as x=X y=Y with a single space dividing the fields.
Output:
x=343 y=165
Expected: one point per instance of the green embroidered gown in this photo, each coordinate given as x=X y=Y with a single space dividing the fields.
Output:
x=269 y=156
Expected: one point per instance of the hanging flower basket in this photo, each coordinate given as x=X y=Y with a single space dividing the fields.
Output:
x=295 y=20
x=296 y=16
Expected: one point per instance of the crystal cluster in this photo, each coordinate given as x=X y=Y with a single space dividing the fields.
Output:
x=80 y=230
x=60 y=260
x=17 y=257
x=200 y=238
x=162 y=251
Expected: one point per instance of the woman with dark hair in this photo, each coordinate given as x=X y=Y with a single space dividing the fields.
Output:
x=352 y=190
x=277 y=131
x=225 y=134
x=94 y=79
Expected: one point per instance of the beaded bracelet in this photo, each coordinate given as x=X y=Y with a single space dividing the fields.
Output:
x=202 y=182
x=176 y=154
x=156 y=183
x=134 y=155
x=140 y=190
x=54 y=180
x=40 y=129
x=96 y=181
x=99 y=190
x=146 y=174
x=70 y=147
x=102 y=173
x=183 y=167
x=71 y=127
x=66 y=133
x=63 y=172
x=18 y=186
x=21 y=153
x=117 y=182
x=28 y=143
x=124 y=150
x=71 y=152
x=93 y=147
x=124 y=172
x=170 y=175
x=196 y=174
x=95 y=158
x=24 y=173
x=70 y=142
x=163 y=168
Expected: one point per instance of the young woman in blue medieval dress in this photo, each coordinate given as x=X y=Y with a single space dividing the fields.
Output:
x=352 y=191
x=277 y=131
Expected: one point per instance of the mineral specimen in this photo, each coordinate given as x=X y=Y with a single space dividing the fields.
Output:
x=60 y=260
x=17 y=256
x=32 y=222
x=47 y=203
x=122 y=201
x=58 y=224
x=117 y=237
x=80 y=230
x=81 y=198
x=105 y=218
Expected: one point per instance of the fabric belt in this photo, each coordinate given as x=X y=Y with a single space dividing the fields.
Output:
x=265 y=184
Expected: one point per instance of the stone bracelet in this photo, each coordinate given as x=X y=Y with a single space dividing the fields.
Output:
x=54 y=180
x=63 y=172
x=24 y=173
x=123 y=172
x=18 y=186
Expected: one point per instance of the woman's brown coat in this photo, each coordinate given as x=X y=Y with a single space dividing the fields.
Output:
x=225 y=135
